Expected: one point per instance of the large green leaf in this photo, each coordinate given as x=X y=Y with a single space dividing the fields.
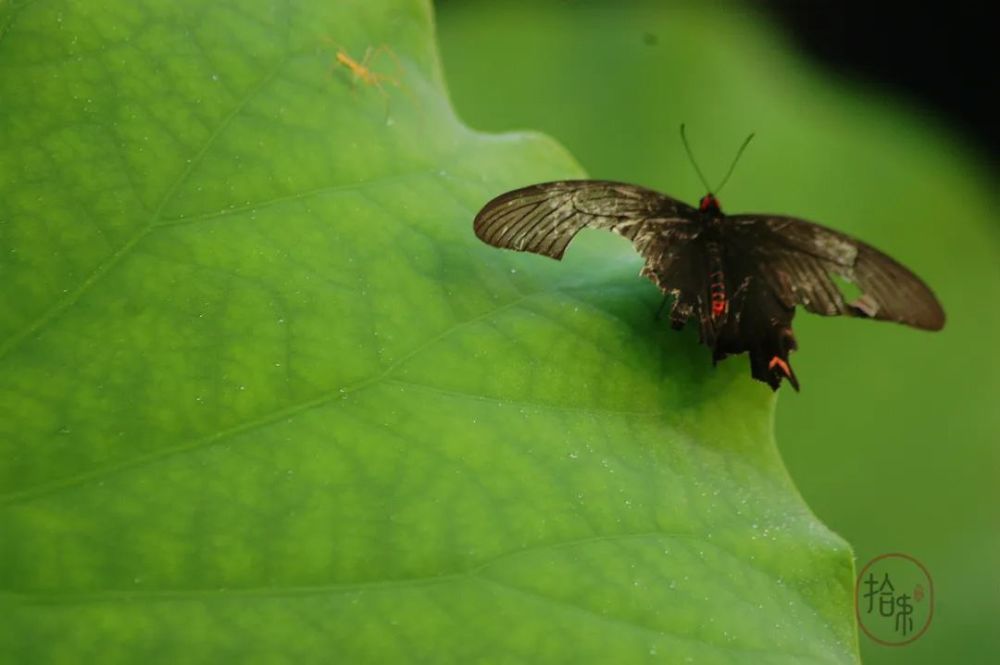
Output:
x=265 y=396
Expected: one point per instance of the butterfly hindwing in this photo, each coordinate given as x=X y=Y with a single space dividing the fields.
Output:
x=758 y=323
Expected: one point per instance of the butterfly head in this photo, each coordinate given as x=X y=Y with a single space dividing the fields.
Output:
x=710 y=204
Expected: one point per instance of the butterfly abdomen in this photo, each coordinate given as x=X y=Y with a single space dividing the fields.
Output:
x=716 y=280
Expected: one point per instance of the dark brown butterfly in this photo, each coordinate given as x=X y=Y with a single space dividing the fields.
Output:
x=740 y=276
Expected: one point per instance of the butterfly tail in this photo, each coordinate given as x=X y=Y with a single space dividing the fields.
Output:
x=769 y=362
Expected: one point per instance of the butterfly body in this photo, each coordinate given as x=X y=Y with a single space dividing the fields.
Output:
x=739 y=276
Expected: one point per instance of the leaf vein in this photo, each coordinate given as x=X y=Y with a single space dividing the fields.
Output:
x=105 y=265
x=261 y=421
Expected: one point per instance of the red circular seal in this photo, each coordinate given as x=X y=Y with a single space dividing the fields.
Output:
x=894 y=599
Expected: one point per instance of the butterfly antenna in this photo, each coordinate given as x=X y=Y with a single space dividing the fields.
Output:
x=691 y=157
x=733 y=165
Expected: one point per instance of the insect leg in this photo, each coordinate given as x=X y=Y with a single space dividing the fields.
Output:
x=383 y=48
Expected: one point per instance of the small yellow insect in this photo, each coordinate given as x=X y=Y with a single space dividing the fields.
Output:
x=362 y=70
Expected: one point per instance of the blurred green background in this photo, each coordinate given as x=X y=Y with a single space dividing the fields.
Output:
x=892 y=440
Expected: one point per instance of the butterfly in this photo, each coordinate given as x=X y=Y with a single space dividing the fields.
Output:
x=739 y=276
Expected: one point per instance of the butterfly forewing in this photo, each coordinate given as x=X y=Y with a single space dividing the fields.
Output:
x=544 y=218
x=798 y=259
